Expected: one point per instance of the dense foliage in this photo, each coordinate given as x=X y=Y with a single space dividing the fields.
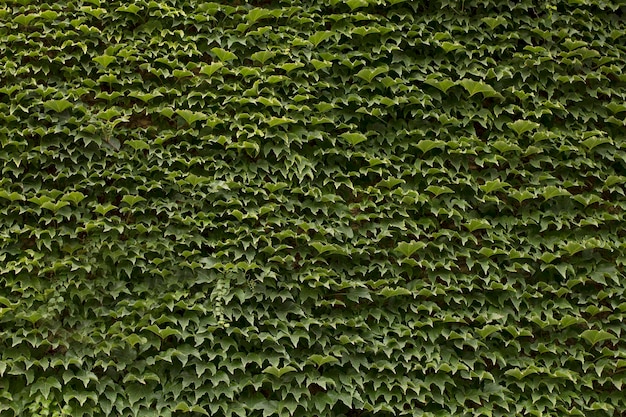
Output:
x=312 y=208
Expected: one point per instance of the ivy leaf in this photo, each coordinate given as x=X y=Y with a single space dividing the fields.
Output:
x=388 y=292
x=487 y=330
x=58 y=106
x=137 y=144
x=437 y=190
x=135 y=339
x=223 y=55
x=131 y=8
x=54 y=207
x=443 y=85
x=596 y=336
x=595 y=141
x=262 y=56
x=13 y=196
x=493 y=186
x=522 y=126
x=75 y=197
x=426 y=145
x=409 y=248
x=186 y=408
x=616 y=108
x=552 y=191
x=319 y=37
x=450 y=46
x=521 y=195
x=369 y=74
x=178 y=73
x=276 y=121
x=279 y=372
x=105 y=60
x=477 y=224
x=44 y=385
x=257 y=14
x=131 y=200
x=108 y=114
x=209 y=70
x=162 y=333
x=104 y=209
x=320 y=360
x=475 y=87
x=356 y=4
x=353 y=138
x=494 y=22
x=504 y=146
x=145 y=97
x=191 y=116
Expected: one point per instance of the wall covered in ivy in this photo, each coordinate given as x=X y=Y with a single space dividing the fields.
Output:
x=312 y=208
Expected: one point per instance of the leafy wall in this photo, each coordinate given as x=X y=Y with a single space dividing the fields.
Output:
x=312 y=208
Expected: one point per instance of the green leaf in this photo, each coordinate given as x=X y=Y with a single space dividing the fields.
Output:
x=290 y=66
x=596 y=336
x=521 y=195
x=522 y=126
x=145 y=97
x=493 y=186
x=58 y=106
x=475 y=87
x=137 y=144
x=388 y=292
x=426 y=145
x=276 y=121
x=24 y=20
x=191 y=116
x=178 y=73
x=223 y=55
x=443 y=85
x=131 y=8
x=487 y=330
x=105 y=60
x=13 y=196
x=552 y=191
x=355 y=4
x=504 y=146
x=450 y=46
x=616 y=108
x=320 y=360
x=55 y=207
x=353 y=138
x=279 y=372
x=390 y=182
x=262 y=56
x=44 y=386
x=131 y=200
x=438 y=190
x=108 y=114
x=75 y=197
x=135 y=339
x=104 y=209
x=162 y=333
x=595 y=141
x=209 y=70
x=568 y=320
x=494 y=22
x=319 y=37
x=368 y=74
x=257 y=14
x=477 y=224
x=409 y=248
x=322 y=247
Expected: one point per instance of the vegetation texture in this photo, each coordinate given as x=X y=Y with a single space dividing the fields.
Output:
x=312 y=208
